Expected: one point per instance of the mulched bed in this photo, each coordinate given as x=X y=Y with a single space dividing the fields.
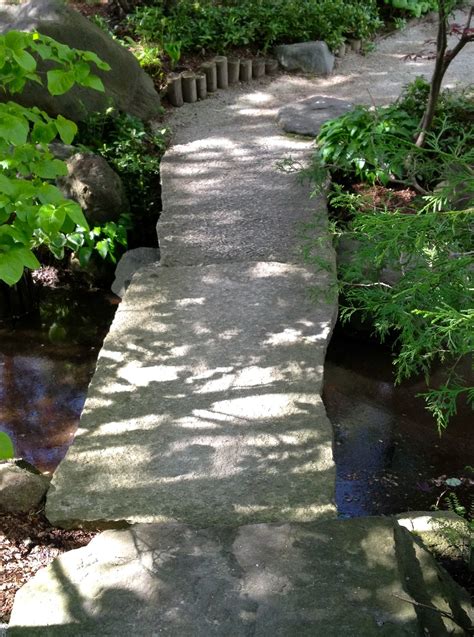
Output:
x=377 y=197
x=28 y=542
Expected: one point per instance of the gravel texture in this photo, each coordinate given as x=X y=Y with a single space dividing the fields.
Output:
x=29 y=542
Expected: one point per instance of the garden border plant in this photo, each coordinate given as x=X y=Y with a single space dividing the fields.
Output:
x=426 y=303
x=134 y=150
x=194 y=26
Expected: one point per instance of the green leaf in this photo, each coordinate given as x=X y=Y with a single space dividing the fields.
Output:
x=74 y=212
x=81 y=71
x=25 y=60
x=67 y=130
x=94 y=82
x=28 y=258
x=90 y=56
x=84 y=255
x=49 y=168
x=57 y=333
x=14 y=234
x=43 y=50
x=11 y=267
x=51 y=218
x=7 y=450
x=50 y=194
x=59 y=81
x=68 y=225
x=75 y=240
x=17 y=40
x=14 y=129
x=43 y=132
x=6 y=185
x=102 y=248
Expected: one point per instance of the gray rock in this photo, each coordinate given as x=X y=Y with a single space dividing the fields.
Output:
x=63 y=151
x=339 y=578
x=95 y=186
x=309 y=57
x=307 y=116
x=205 y=405
x=129 y=263
x=127 y=86
x=443 y=532
x=22 y=487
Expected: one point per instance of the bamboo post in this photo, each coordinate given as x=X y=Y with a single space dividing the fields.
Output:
x=245 y=70
x=188 y=83
x=258 y=68
x=210 y=71
x=233 y=69
x=222 y=73
x=175 y=91
x=201 y=86
x=355 y=45
x=271 y=66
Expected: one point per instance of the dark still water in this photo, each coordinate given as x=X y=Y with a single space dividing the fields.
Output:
x=389 y=455
x=46 y=363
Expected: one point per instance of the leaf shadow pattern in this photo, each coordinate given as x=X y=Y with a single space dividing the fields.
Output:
x=202 y=414
x=337 y=577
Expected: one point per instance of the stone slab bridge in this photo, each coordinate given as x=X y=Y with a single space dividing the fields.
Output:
x=204 y=433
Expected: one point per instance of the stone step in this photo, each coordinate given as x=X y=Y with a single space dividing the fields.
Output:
x=236 y=205
x=364 y=577
x=205 y=405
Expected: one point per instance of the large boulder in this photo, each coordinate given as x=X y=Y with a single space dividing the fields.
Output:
x=127 y=86
x=95 y=186
x=309 y=57
x=22 y=487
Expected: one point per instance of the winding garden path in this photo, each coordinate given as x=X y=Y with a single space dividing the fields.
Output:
x=205 y=419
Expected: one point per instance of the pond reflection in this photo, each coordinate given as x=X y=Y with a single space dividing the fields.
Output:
x=46 y=363
x=386 y=445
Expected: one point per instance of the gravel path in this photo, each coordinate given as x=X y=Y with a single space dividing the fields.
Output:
x=377 y=77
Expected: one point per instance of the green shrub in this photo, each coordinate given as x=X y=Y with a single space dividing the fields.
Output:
x=33 y=212
x=367 y=143
x=375 y=144
x=413 y=8
x=263 y=23
x=427 y=302
x=135 y=152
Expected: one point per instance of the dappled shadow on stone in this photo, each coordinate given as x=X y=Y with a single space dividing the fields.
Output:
x=224 y=197
x=338 y=578
x=205 y=406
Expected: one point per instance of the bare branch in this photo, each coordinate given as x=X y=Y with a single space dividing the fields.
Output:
x=469 y=630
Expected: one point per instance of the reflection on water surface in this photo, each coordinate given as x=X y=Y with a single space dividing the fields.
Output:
x=46 y=363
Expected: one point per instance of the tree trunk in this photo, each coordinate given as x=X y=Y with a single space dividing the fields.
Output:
x=438 y=74
x=444 y=57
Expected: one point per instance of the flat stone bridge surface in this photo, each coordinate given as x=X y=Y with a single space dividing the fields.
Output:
x=204 y=428
x=205 y=407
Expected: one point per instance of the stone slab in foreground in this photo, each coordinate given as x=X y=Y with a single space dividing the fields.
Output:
x=338 y=578
x=205 y=406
